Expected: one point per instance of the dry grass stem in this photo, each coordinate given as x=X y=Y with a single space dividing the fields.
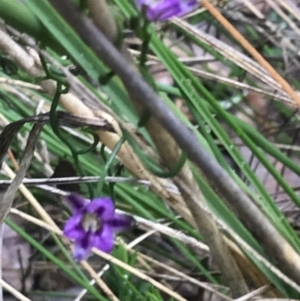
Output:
x=47 y=218
x=255 y=293
x=228 y=81
x=108 y=257
x=74 y=105
x=183 y=276
x=13 y=291
x=106 y=267
x=246 y=269
x=273 y=73
x=170 y=153
x=19 y=83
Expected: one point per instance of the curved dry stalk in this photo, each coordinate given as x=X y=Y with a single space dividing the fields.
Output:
x=170 y=153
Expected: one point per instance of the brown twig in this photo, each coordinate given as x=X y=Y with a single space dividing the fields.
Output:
x=13 y=159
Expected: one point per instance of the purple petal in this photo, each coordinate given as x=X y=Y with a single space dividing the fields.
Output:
x=188 y=6
x=162 y=14
x=165 y=9
x=103 y=207
x=120 y=222
x=83 y=247
x=104 y=239
x=73 y=228
x=161 y=10
x=77 y=202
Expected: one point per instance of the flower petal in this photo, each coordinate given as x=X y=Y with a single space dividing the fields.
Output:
x=146 y=2
x=104 y=239
x=73 y=228
x=104 y=207
x=165 y=9
x=188 y=6
x=83 y=247
x=120 y=222
x=162 y=14
x=76 y=202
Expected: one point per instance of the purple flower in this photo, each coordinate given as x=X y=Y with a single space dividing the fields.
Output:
x=161 y=10
x=93 y=224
